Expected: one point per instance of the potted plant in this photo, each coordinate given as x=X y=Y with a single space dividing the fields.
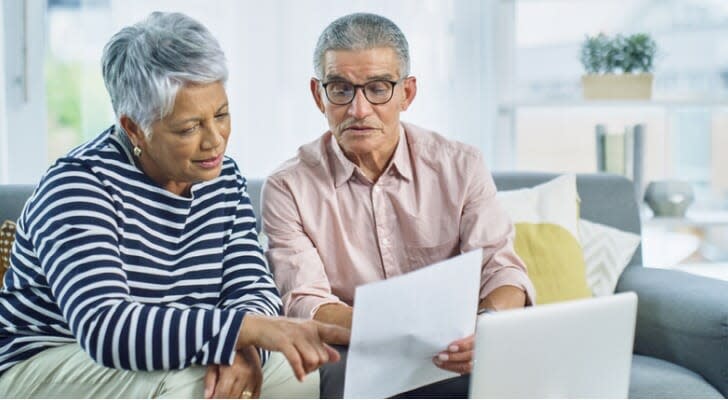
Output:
x=619 y=67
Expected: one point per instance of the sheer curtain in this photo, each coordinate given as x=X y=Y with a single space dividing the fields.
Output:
x=3 y=108
x=269 y=45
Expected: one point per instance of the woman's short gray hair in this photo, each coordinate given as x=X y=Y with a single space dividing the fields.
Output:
x=361 y=31
x=145 y=64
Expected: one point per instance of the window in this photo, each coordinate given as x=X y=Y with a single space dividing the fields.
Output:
x=553 y=129
x=269 y=45
x=22 y=113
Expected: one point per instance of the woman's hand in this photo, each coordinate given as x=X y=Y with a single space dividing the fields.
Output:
x=241 y=380
x=302 y=342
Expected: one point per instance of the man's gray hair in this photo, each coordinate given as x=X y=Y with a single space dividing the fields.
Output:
x=361 y=31
x=144 y=65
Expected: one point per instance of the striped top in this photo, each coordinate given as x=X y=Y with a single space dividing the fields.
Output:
x=141 y=278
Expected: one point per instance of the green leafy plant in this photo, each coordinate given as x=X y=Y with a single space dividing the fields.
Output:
x=601 y=54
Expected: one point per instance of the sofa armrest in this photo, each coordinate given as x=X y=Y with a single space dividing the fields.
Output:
x=681 y=318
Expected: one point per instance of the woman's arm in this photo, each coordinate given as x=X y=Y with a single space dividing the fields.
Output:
x=74 y=230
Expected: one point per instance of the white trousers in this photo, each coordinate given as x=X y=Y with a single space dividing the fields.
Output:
x=68 y=372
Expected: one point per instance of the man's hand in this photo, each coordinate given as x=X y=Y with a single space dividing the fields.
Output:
x=241 y=380
x=302 y=342
x=458 y=357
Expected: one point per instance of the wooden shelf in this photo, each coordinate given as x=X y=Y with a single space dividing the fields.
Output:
x=709 y=103
x=699 y=219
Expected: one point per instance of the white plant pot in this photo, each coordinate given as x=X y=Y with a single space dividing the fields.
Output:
x=617 y=86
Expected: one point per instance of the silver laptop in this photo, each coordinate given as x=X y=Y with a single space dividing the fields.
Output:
x=573 y=349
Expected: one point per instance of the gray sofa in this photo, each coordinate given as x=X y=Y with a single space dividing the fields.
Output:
x=681 y=342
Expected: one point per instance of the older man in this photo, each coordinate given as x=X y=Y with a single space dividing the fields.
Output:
x=375 y=198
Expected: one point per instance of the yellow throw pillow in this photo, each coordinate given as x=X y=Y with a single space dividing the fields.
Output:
x=555 y=262
x=546 y=219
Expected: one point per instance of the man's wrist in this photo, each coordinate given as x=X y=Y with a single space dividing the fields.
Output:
x=486 y=310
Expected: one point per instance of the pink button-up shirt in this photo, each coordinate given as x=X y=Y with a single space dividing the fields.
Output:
x=330 y=229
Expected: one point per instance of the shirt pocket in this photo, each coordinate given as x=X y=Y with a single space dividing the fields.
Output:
x=427 y=241
x=419 y=256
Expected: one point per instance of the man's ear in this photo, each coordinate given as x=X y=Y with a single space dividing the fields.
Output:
x=316 y=92
x=410 y=91
x=134 y=131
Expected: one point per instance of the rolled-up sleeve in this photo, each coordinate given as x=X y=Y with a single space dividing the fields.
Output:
x=486 y=225
x=295 y=262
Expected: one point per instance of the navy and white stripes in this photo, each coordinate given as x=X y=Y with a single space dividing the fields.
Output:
x=141 y=278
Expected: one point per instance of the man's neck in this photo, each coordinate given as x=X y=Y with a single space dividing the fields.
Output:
x=374 y=164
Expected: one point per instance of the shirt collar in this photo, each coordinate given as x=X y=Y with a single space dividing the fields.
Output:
x=344 y=169
x=401 y=160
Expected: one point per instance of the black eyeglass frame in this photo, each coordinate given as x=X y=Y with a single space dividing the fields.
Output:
x=362 y=87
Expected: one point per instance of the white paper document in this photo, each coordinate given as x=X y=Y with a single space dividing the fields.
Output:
x=401 y=323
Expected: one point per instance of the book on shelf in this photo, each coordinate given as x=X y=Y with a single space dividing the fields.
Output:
x=622 y=153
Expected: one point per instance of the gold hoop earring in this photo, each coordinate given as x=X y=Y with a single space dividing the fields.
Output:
x=137 y=151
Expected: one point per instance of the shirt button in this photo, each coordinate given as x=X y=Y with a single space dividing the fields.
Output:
x=377 y=189
x=385 y=241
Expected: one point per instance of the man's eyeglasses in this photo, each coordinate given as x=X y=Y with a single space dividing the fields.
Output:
x=376 y=92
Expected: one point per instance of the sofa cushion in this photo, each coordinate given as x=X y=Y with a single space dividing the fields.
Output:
x=654 y=378
x=545 y=218
x=607 y=252
x=605 y=198
x=7 y=237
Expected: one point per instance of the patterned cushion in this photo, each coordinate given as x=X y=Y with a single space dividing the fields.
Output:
x=607 y=252
x=7 y=236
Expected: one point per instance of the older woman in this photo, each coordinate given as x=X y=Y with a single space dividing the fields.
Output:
x=136 y=270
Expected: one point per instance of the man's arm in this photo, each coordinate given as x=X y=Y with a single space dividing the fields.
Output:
x=485 y=224
x=504 y=282
x=503 y=298
x=294 y=259
x=336 y=314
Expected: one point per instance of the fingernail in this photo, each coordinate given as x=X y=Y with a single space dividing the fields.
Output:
x=453 y=348
x=437 y=361
x=207 y=392
x=443 y=357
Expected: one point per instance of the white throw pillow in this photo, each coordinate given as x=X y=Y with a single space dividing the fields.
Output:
x=555 y=202
x=607 y=252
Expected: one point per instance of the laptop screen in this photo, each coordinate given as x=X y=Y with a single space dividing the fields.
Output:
x=572 y=349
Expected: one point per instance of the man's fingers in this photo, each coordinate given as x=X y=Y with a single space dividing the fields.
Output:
x=465 y=344
x=333 y=334
x=210 y=380
x=457 y=367
x=464 y=356
x=334 y=355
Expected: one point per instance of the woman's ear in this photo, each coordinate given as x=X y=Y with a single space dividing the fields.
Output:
x=133 y=130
